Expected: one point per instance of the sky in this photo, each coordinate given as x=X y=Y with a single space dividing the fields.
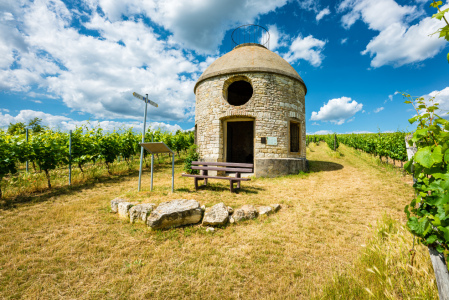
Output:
x=68 y=62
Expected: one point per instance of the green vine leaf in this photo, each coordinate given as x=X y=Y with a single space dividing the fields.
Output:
x=436 y=4
x=444 y=32
x=427 y=158
x=431 y=239
x=440 y=14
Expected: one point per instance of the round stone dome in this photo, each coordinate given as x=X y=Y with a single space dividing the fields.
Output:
x=250 y=58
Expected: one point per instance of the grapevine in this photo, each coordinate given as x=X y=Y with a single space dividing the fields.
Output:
x=48 y=149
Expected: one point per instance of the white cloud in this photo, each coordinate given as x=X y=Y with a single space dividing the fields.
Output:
x=308 y=48
x=377 y=14
x=65 y=123
x=441 y=97
x=358 y=132
x=40 y=95
x=277 y=38
x=198 y=24
x=337 y=110
x=322 y=14
x=321 y=132
x=379 y=109
x=343 y=41
x=25 y=116
x=95 y=75
x=390 y=98
x=397 y=43
x=310 y=5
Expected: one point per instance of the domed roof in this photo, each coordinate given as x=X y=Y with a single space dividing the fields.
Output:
x=250 y=58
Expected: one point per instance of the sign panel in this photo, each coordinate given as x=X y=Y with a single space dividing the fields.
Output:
x=159 y=147
x=272 y=141
x=138 y=96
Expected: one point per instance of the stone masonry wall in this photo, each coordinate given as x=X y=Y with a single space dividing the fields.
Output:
x=276 y=100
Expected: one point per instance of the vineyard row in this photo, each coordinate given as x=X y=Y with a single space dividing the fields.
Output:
x=388 y=145
x=50 y=149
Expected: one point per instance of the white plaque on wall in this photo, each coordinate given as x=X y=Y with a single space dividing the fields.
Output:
x=272 y=141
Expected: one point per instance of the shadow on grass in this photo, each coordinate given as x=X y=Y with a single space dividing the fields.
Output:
x=319 y=166
x=44 y=195
x=214 y=187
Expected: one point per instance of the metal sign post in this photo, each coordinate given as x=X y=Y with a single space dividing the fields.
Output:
x=152 y=164
x=146 y=100
x=70 y=157
x=27 y=143
x=160 y=147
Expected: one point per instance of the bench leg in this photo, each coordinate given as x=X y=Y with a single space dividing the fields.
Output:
x=237 y=175
x=196 y=184
x=231 y=186
x=205 y=181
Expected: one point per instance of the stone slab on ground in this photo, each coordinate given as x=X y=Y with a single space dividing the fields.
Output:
x=140 y=212
x=276 y=207
x=246 y=212
x=123 y=209
x=175 y=213
x=115 y=202
x=265 y=210
x=217 y=215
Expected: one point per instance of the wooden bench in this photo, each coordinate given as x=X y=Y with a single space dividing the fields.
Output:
x=204 y=167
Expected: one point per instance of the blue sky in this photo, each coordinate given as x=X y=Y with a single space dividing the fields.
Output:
x=71 y=61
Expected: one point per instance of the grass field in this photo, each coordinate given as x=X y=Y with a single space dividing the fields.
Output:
x=339 y=235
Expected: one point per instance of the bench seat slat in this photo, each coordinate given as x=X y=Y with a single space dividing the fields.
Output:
x=216 y=177
x=240 y=170
x=222 y=164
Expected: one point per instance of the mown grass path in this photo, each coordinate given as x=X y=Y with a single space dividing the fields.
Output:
x=71 y=246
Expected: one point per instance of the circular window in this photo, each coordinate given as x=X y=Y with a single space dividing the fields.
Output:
x=239 y=92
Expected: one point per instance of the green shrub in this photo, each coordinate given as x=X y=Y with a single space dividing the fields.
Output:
x=192 y=155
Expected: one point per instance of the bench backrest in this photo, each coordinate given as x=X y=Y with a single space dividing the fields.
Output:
x=230 y=167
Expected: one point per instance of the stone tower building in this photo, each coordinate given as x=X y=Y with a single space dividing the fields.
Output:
x=250 y=109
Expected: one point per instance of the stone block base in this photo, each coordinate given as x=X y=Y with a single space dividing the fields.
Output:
x=272 y=167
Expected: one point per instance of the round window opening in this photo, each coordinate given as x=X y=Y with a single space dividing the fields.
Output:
x=239 y=92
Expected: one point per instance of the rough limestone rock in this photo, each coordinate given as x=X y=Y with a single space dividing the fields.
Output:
x=140 y=212
x=231 y=220
x=265 y=210
x=275 y=207
x=115 y=202
x=217 y=215
x=123 y=209
x=246 y=212
x=175 y=213
x=210 y=229
x=230 y=210
x=203 y=207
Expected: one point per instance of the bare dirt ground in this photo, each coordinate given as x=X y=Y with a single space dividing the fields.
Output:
x=69 y=245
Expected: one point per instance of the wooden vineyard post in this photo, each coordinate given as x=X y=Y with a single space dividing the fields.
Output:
x=27 y=162
x=441 y=273
x=335 y=142
x=438 y=261
x=70 y=157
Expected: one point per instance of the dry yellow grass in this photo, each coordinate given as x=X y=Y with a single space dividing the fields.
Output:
x=70 y=245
